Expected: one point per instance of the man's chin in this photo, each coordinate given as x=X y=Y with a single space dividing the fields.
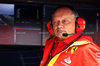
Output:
x=59 y=35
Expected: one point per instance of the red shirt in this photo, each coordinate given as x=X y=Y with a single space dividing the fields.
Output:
x=61 y=44
x=86 y=54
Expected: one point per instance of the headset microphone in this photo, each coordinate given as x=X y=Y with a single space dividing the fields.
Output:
x=66 y=34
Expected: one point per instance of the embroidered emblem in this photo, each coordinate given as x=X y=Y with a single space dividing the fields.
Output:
x=64 y=63
x=73 y=49
x=67 y=60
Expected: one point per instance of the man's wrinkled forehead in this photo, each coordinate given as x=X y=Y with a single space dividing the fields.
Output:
x=62 y=11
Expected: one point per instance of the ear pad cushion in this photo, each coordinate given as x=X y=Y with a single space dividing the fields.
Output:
x=50 y=29
x=81 y=24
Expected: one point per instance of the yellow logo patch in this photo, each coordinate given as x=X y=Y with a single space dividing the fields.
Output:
x=73 y=49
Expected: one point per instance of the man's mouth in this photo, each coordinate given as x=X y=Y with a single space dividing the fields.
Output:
x=60 y=31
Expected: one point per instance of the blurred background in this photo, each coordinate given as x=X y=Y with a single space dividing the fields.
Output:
x=23 y=27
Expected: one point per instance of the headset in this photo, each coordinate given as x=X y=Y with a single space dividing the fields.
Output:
x=79 y=27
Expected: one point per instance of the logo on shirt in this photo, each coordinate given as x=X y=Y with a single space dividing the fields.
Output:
x=98 y=57
x=66 y=62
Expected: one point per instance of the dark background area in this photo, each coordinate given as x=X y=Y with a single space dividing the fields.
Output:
x=22 y=54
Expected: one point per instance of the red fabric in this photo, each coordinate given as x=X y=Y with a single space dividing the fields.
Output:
x=60 y=45
x=49 y=44
x=84 y=56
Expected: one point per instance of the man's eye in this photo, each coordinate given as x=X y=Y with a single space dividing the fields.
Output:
x=55 y=22
x=64 y=20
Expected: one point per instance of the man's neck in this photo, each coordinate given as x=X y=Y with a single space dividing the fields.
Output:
x=63 y=38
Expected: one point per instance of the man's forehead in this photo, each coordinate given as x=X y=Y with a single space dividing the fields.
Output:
x=62 y=11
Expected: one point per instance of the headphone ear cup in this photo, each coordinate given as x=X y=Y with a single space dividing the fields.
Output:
x=50 y=29
x=81 y=24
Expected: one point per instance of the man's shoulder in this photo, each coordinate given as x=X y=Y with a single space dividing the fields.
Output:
x=50 y=40
x=85 y=37
x=90 y=44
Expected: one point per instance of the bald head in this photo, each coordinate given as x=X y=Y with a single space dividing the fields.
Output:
x=63 y=11
x=74 y=12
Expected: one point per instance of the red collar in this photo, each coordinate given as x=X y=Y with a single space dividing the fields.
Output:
x=69 y=39
x=60 y=46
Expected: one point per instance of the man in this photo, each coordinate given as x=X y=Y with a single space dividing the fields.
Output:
x=71 y=49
